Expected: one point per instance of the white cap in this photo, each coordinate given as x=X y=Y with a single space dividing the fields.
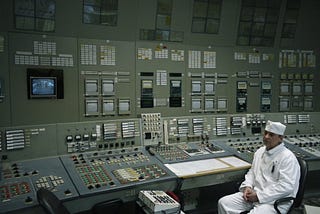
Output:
x=275 y=127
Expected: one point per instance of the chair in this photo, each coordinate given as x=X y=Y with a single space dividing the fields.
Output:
x=52 y=205
x=50 y=202
x=113 y=206
x=297 y=201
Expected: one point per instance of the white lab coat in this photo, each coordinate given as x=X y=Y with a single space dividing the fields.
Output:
x=274 y=174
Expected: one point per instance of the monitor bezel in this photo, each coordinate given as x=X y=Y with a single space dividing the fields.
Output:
x=45 y=73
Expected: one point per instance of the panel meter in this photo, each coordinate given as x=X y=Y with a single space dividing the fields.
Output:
x=241 y=101
x=146 y=94
x=265 y=102
x=175 y=99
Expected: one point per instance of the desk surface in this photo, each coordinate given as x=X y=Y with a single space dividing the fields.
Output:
x=208 y=166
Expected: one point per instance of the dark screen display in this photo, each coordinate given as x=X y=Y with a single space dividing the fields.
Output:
x=256 y=130
x=43 y=86
x=45 y=83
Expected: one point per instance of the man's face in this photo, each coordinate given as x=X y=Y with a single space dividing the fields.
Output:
x=271 y=140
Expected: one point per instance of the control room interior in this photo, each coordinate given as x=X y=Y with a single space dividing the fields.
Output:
x=103 y=101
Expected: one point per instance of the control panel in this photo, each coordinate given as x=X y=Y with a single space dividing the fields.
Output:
x=103 y=171
x=152 y=128
x=156 y=201
x=241 y=101
x=15 y=139
x=98 y=136
x=147 y=93
x=175 y=99
x=188 y=151
x=20 y=181
x=266 y=95
x=245 y=147
x=16 y=194
x=305 y=146
x=76 y=160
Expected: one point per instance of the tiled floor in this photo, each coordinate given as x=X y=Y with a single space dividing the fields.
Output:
x=312 y=209
x=312 y=205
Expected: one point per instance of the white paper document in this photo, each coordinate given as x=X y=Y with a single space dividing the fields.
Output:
x=197 y=167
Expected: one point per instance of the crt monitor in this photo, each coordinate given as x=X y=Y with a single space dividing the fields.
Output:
x=43 y=87
x=45 y=83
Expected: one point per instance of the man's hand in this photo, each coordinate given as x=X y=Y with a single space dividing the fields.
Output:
x=250 y=195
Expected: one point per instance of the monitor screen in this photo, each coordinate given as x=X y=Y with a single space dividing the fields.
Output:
x=45 y=83
x=43 y=87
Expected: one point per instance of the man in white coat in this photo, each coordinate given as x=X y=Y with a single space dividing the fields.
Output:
x=274 y=174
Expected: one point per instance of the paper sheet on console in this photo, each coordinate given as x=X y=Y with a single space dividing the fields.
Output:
x=234 y=161
x=195 y=167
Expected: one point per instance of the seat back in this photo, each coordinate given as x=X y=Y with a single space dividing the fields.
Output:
x=50 y=203
x=303 y=177
x=112 y=206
